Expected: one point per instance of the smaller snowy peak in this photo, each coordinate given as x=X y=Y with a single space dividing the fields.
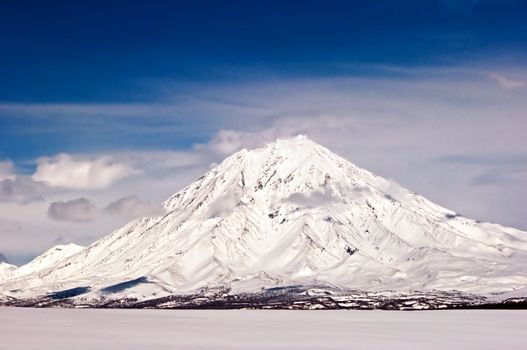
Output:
x=6 y=270
x=49 y=258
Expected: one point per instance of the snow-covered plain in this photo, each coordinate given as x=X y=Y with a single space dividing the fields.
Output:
x=24 y=328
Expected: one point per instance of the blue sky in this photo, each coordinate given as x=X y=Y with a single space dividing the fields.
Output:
x=147 y=95
x=126 y=51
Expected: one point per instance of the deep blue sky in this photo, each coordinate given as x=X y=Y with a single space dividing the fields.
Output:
x=122 y=51
x=102 y=50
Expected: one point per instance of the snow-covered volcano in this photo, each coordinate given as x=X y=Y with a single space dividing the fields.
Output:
x=290 y=213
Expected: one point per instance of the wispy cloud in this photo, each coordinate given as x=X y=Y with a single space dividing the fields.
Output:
x=501 y=177
x=77 y=210
x=68 y=172
x=312 y=199
x=83 y=210
x=132 y=207
x=102 y=110
x=23 y=189
x=507 y=83
x=7 y=170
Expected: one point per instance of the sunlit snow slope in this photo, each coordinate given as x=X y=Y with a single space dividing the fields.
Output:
x=6 y=270
x=289 y=213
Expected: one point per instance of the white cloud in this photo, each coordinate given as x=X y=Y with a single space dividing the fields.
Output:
x=77 y=210
x=27 y=230
x=155 y=162
x=507 y=83
x=7 y=170
x=132 y=207
x=313 y=199
x=84 y=210
x=395 y=191
x=67 y=171
x=23 y=189
x=227 y=141
x=223 y=205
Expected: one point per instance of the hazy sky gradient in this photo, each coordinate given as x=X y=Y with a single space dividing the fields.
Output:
x=108 y=108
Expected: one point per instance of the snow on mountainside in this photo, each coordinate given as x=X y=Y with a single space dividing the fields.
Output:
x=47 y=260
x=6 y=270
x=43 y=262
x=290 y=213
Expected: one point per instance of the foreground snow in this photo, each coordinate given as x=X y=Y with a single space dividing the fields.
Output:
x=243 y=329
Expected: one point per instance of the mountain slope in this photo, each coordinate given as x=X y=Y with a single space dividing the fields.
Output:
x=291 y=213
x=6 y=270
x=49 y=258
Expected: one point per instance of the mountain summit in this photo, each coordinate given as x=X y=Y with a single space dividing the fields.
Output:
x=289 y=214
